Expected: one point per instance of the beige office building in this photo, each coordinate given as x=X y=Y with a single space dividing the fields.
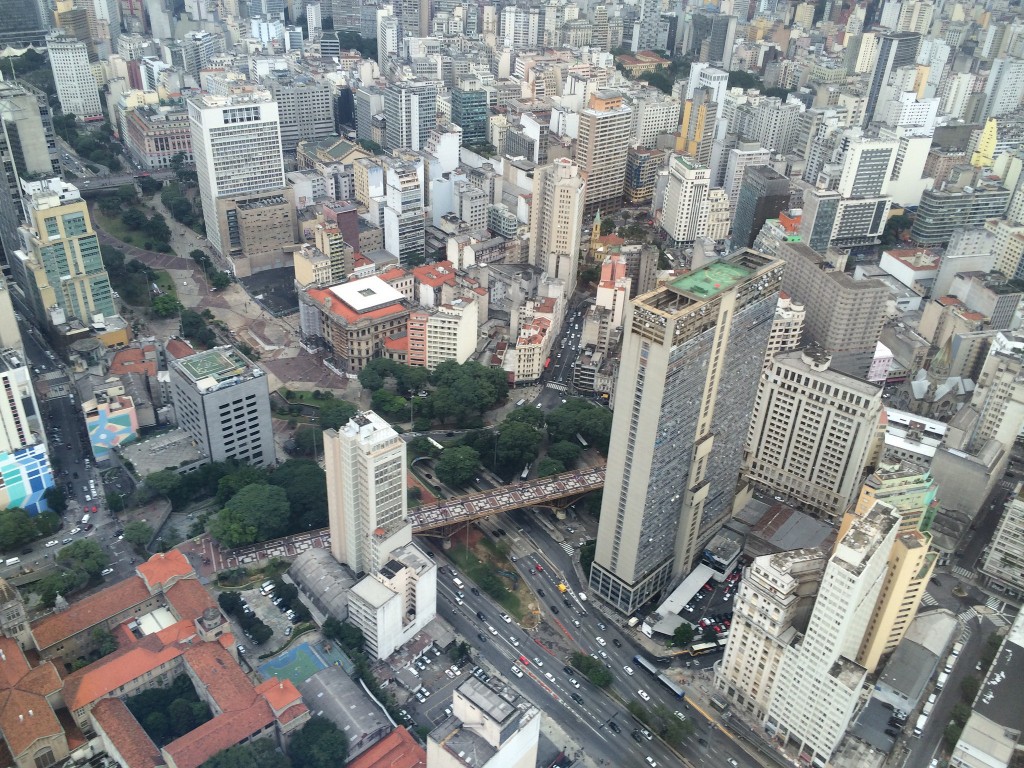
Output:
x=601 y=150
x=556 y=219
x=813 y=432
x=787 y=328
x=691 y=358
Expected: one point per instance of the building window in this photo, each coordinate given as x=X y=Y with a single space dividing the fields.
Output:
x=44 y=758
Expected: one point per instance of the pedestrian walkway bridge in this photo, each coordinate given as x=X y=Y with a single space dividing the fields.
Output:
x=530 y=493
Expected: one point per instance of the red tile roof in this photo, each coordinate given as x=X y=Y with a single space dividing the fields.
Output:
x=177 y=349
x=435 y=275
x=340 y=308
x=124 y=665
x=89 y=612
x=397 y=343
x=163 y=568
x=25 y=718
x=226 y=730
x=225 y=682
x=280 y=694
x=396 y=750
x=395 y=273
x=124 y=733
x=189 y=599
x=133 y=360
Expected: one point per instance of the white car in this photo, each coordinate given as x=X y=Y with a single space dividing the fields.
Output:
x=75 y=530
x=516 y=670
x=513 y=641
x=538 y=662
x=506 y=618
x=628 y=670
x=52 y=543
x=650 y=762
x=643 y=694
x=492 y=630
x=574 y=682
x=601 y=642
x=680 y=715
x=106 y=571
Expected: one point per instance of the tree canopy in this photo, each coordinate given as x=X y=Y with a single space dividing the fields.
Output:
x=305 y=485
x=262 y=753
x=320 y=744
x=578 y=416
x=256 y=513
x=458 y=466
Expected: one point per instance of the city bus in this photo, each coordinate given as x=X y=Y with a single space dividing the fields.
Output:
x=699 y=649
x=581 y=440
x=434 y=443
x=525 y=472
x=640 y=661
x=672 y=685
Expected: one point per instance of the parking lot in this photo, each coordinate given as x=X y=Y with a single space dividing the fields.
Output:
x=268 y=613
x=431 y=704
x=712 y=605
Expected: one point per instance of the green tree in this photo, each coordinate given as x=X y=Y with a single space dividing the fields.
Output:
x=548 y=466
x=84 y=555
x=180 y=716
x=241 y=476
x=164 y=482
x=596 y=672
x=320 y=744
x=458 y=466
x=115 y=502
x=683 y=635
x=47 y=523
x=165 y=305
x=564 y=451
x=256 y=513
x=219 y=280
x=518 y=445
x=348 y=636
x=951 y=736
x=230 y=602
x=55 y=500
x=969 y=688
x=335 y=414
x=305 y=484
x=460 y=652
x=709 y=634
x=104 y=641
x=155 y=724
x=262 y=753
x=260 y=633
x=138 y=534
x=16 y=528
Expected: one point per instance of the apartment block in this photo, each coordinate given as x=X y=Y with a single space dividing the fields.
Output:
x=787 y=328
x=601 y=150
x=442 y=333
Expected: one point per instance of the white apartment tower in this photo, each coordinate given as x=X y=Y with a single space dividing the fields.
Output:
x=818 y=686
x=746 y=154
x=366 y=501
x=556 y=220
x=772 y=608
x=236 y=142
x=404 y=223
x=684 y=215
x=76 y=87
x=812 y=432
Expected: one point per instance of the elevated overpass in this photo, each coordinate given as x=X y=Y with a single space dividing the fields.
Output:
x=113 y=181
x=459 y=510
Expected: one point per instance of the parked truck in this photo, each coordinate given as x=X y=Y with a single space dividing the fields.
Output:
x=922 y=721
x=943 y=677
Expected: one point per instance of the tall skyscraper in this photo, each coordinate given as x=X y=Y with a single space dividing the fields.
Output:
x=59 y=266
x=366 y=499
x=556 y=220
x=410 y=111
x=470 y=112
x=813 y=431
x=601 y=150
x=77 y=90
x=746 y=154
x=691 y=358
x=763 y=193
x=236 y=142
x=1004 y=88
x=404 y=233
x=787 y=328
x=23 y=24
x=895 y=50
x=819 y=684
x=28 y=128
x=221 y=399
x=684 y=214
x=1001 y=566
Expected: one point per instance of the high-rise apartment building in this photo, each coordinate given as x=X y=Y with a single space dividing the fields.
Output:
x=787 y=328
x=813 y=431
x=556 y=220
x=844 y=315
x=222 y=400
x=771 y=609
x=746 y=154
x=404 y=223
x=764 y=192
x=819 y=684
x=410 y=112
x=601 y=150
x=236 y=143
x=998 y=396
x=59 y=266
x=366 y=500
x=1003 y=566
x=442 y=333
x=688 y=374
x=895 y=50
x=1004 y=87
x=77 y=89
x=904 y=485
x=28 y=129
x=684 y=214
x=470 y=111
x=642 y=168
x=942 y=213
x=305 y=108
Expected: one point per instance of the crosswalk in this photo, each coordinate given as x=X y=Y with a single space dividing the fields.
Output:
x=963 y=573
x=967 y=616
x=557 y=386
x=928 y=600
x=567 y=548
x=995 y=603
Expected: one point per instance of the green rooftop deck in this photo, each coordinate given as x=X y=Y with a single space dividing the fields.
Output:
x=219 y=363
x=711 y=280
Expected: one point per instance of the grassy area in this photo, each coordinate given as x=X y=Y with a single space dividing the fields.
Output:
x=115 y=228
x=166 y=282
x=298 y=397
x=480 y=564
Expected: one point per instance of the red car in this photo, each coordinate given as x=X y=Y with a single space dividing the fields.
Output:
x=539 y=567
x=524 y=661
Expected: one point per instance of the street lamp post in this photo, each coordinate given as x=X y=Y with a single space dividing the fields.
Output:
x=494 y=465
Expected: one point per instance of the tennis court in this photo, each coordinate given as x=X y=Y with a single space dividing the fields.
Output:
x=296 y=664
